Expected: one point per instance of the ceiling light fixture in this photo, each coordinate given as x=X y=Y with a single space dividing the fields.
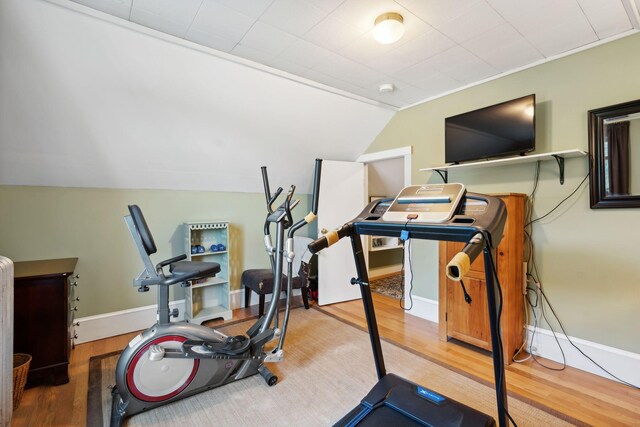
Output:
x=386 y=88
x=388 y=28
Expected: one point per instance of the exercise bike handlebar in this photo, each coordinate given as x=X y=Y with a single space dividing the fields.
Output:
x=179 y=279
x=170 y=261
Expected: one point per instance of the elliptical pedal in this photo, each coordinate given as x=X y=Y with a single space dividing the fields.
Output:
x=230 y=346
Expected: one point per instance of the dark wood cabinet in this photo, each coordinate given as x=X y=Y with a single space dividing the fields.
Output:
x=43 y=317
x=470 y=322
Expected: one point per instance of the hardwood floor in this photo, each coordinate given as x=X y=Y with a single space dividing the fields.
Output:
x=588 y=398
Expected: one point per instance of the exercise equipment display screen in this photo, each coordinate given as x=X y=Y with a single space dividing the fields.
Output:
x=425 y=203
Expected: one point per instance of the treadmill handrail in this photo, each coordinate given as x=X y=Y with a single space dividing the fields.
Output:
x=472 y=234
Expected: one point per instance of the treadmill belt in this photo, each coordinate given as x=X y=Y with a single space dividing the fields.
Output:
x=394 y=401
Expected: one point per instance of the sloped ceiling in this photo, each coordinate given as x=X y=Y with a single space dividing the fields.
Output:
x=448 y=44
x=87 y=103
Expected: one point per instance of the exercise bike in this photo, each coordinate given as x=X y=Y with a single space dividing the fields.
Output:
x=173 y=360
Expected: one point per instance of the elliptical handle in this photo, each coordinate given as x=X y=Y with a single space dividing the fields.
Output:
x=287 y=204
x=271 y=201
x=265 y=183
x=329 y=239
x=267 y=191
x=316 y=186
x=311 y=216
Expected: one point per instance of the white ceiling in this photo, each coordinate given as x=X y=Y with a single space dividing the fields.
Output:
x=86 y=103
x=447 y=44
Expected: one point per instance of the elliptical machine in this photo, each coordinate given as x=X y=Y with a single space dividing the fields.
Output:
x=170 y=361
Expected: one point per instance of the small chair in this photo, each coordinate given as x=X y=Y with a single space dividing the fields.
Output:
x=260 y=280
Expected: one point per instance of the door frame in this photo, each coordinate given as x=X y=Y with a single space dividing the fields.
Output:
x=405 y=153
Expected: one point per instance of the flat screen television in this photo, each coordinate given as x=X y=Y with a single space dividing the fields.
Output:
x=498 y=130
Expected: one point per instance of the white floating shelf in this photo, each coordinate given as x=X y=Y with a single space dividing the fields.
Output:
x=559 y=156
x=209 y=253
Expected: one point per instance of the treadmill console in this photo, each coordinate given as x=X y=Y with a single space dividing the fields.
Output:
x=430 y=203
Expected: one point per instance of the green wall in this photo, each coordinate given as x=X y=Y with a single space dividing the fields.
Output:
x=52 y=222
x=588 y=260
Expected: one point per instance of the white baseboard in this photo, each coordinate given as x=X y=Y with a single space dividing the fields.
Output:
x=107 y=325
x=384 y=271
x=424 y=308
x=623 y=364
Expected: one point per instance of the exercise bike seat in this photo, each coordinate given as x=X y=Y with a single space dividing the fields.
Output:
x=199 y=268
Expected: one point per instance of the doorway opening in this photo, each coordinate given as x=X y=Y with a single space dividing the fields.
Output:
x=385 y=179
x=387 y=173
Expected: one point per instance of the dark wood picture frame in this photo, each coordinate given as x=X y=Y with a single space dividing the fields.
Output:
x=598 y=196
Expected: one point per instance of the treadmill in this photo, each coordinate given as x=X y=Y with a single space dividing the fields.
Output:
x=443 y=212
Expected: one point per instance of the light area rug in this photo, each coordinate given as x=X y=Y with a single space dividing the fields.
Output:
x=327 y=369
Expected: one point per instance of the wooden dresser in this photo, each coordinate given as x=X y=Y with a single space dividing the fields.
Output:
x=43 y=316
x=470 y=322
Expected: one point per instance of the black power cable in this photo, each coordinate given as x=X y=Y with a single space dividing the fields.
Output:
x=531 y=263
x=405 y=237
x=575 y=346
x=559 y=204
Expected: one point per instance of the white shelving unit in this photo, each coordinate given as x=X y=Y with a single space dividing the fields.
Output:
x=558 y=156
x=208 y=299
x=380 y=243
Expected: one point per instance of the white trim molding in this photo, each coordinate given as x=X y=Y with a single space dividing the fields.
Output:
x=424 y=308
x=623 y=364
x=107 y=325
x=394 y=153
x=383 y=271
x=6 y=340
x=385 y=155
